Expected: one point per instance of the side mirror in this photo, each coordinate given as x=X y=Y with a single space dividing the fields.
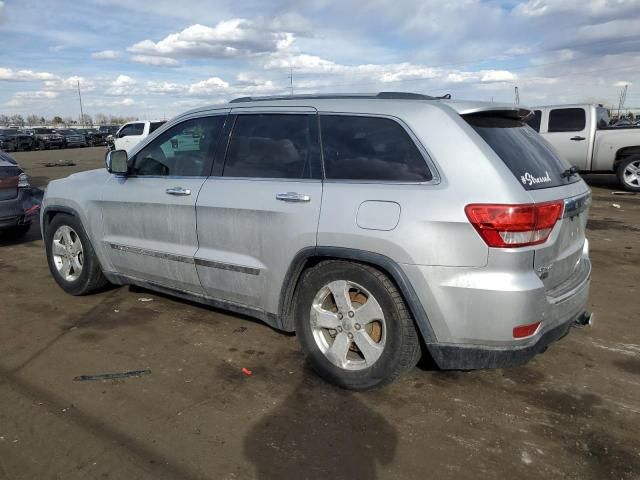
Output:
x=117 y=162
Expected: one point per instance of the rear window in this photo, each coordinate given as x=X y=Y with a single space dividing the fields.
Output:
x=155 y=125
x=529 y=157
x=567 y=120
x=370 y=148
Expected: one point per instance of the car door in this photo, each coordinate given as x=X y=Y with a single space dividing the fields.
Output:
x=262 y=208
x=129 y=136
x=568 y=130
x=149 y=216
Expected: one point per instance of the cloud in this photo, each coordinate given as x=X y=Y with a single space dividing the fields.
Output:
x=107 y=55
x=69 y=83
x=123 y=85
x=213 y=85
x=10 y=75
x=25 y=98
x=238 y=37
x=156 y=61
x=165 y=87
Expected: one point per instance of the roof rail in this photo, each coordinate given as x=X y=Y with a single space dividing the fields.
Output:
x=348 y=96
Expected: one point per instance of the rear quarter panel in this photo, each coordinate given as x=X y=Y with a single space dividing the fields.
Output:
x=607 y=144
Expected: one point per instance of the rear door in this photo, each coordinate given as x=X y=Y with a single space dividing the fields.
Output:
x=537 y=167
x=568 y=131
x=149 y=217
x=262 y=207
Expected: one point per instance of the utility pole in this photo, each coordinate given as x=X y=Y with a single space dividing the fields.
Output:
x=623 y=97
x=80 y=98
x=291 y=79
x=517 y=96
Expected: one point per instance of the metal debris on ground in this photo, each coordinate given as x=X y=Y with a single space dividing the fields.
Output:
x=246 y=371
x=143 y=299
x=616 y=205
x=623 y=193
x=59 y=163
x=111 y=376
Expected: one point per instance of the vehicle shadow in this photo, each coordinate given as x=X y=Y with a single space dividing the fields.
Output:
x=320 y=432
x=33 y=235
x=602 y=181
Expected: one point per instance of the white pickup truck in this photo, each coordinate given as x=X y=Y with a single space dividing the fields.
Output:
x=582 y=135
x=132 y=133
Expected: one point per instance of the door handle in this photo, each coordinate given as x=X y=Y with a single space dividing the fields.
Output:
x=578 y=139
x=293 y=197
x=178 y=191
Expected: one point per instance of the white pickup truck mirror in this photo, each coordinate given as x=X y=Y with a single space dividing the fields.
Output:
x=117 y=162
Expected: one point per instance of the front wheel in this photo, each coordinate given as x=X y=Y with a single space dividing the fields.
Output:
x=353 y=325
x=629 y=174
x=71 y=258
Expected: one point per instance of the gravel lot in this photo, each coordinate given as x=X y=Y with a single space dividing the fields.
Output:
x=573 y=412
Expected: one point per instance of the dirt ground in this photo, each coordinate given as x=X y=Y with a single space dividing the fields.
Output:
x=572 y=413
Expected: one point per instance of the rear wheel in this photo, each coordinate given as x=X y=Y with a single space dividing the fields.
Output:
x=72 y=260
x=629 y=173
x=353 y=325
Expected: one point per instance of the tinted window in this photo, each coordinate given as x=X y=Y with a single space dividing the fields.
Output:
x=183 y=150
x=274 y=146
x=155 y=125
x=369 y=148
x=132 y=129
x=567 y=120
x=529 y=157
x=602 y=117
x=534 y=122
x=44 y=131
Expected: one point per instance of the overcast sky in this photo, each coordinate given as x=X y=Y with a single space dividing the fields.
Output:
x=156 y=59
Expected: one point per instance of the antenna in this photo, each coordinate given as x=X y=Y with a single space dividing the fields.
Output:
x=517 y=96
x=623 y=97
x=80 y=98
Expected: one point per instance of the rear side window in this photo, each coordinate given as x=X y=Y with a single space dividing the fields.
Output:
x=567 y=120
x=370 y=148
x=154 y=126
x=529 y=157
x=274 y=146
x=534 y=122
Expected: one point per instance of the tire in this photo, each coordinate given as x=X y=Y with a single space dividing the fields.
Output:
x=384 y=327
x=16 y=232
x=628 y=173
x=84 y=274
x=41 y=146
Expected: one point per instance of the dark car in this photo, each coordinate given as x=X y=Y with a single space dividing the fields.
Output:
x=7 y=142
x=72 y=138
x=46 y=138
x=92 y=136
x=18 y=139
x=17 y=203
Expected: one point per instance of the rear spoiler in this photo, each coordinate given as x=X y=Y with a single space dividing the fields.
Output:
x=516 y=113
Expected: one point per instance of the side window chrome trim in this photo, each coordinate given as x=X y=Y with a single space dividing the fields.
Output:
x=435 y=174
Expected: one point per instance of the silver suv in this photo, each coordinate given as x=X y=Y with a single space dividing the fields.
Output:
x=377 y=227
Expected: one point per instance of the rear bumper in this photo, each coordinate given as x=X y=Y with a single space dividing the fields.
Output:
x=12 y=212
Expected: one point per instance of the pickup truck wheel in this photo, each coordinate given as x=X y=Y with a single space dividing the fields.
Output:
x=353 y=325
x=629 y=174
x=71 y=258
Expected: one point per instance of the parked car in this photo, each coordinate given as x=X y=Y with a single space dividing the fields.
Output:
x=18 y=139
x=130 y=134
x=46 y=138
x=92 y=137
x=72 y=138
x=582 y=136
x=7 y=142
x=16 y=210
x=369 y=225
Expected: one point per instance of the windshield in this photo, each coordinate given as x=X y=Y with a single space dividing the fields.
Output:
x=44 y=130
x=529 y=157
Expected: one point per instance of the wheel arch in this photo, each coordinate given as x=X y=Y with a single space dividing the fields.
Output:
x=51 y=211
x=624 y=153
x=309 y=257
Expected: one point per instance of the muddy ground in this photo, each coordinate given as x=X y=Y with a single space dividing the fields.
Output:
x=572 y=413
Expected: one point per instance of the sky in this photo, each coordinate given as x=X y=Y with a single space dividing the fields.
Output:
x=155 y=59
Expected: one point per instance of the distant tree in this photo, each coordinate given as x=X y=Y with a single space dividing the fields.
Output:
x=100 y=118
x=33 y=119
x=17 y=119
x=42 y=120
x=4 y=120
x=86 y=119
x=57 y=119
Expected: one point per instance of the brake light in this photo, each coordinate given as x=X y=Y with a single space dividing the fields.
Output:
x=523 y=331
x=509 y=226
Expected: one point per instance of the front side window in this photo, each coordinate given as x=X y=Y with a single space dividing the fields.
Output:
x=370 y=148
x=183 y=150
x=274 y=146
x=132 y=129
x=567 y=120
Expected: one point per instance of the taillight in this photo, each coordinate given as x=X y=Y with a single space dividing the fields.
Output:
x=524 y=331
x=509 y=226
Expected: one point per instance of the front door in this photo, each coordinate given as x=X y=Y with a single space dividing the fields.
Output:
x=262 y=209
x=149 y=216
